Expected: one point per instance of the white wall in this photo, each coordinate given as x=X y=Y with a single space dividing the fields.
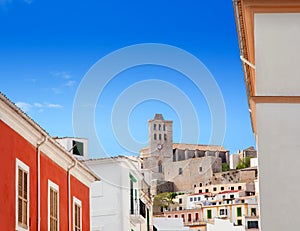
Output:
x=110 y=198
x=279 y=165
x=277 y=48
x=223 y=225
x=169 y=224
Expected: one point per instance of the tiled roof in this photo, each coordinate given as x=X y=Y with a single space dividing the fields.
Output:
x=203 y=147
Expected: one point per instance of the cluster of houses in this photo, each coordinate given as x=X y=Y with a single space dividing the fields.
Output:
x=49 y=183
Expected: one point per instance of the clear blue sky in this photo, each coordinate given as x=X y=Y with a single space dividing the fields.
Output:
x=47 y=47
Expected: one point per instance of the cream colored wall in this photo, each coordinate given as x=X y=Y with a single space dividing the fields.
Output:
x=277 y=48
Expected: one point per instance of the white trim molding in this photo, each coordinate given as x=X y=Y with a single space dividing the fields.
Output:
x=23 y=166
x=76 y=201
x=56 y=188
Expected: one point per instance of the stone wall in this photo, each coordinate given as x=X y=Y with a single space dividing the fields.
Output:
x=187 y=174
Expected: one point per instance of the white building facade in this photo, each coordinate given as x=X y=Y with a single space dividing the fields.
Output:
x=269 y=36
x=121 y=201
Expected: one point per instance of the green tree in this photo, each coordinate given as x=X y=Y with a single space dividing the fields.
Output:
x=244 y=163
x=164 y=199
x=225 y=167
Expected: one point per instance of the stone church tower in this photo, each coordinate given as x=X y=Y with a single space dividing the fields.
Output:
x=160 y=145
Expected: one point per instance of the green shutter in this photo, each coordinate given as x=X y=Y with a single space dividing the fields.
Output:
x=209 y=214
x=132 y=178
x=239 y=211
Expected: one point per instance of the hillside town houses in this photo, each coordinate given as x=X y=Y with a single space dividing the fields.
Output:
x=50 y=183
x=57 y=187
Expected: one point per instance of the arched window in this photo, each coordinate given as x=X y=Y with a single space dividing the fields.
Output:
x=154 y=127
x=164 y=127
x=159 y=166
x=159 y=136
x=154 y=136
x=159 y=127
x=165 y=136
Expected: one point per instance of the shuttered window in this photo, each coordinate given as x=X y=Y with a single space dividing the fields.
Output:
x=77 y=210
x=53 y=203
x=22 y=198
x=77 y=217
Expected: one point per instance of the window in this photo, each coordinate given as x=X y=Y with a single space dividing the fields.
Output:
x=240 y=188
x=176 y=216
x=195 y=198
x=159 y=136
x=191 y=199
x=239 y=211
x=231 y=196
x=215 y=189
x=154 y=127
x=200 y=190
x=182 y=216
x=200 y=169
x=180 y=200
x=53 y=207
x=77 y=148
x=160 y=166
x=180 y=171
x=200 y=184
x=180 y=208
x=164 y=127
x=132 y=192
x=189 y=217
x=239 y=222
x=222 y=188
x=196 y=216
x=77 y=214
x=165 y=136
x=223 y=212
x=253 y=211
x=232 y=188
x=252 y=225
x=195 y=186
x=206 y=190
x=208 y=214
x=22 y=195
x=154 y=136
x=159 y=127
x=142 y=209
x=199 y=198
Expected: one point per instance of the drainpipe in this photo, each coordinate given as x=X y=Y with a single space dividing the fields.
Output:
x=38 y=149
x=69 y=193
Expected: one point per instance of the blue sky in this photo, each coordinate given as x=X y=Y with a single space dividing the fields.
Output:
x=47 y=47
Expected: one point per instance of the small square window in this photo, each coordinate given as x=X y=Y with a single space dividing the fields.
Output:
x=215 y=189
x=200 y=191
x=222 y=188
x=180 y=171
x=240 y=188
x=206 y=190
x=232 y=188
x=239 y=222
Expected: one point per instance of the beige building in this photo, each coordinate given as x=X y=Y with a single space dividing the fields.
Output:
x=185 y=165
x=269 y=35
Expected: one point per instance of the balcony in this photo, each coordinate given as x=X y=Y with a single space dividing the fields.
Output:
x=138 y=213
x=136 y=217
x=198 y=222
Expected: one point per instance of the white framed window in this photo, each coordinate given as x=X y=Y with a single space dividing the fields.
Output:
x=53 y=206
x=77 y=214
x=22 y=196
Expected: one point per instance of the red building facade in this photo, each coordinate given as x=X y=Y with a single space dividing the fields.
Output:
x=42 y=186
